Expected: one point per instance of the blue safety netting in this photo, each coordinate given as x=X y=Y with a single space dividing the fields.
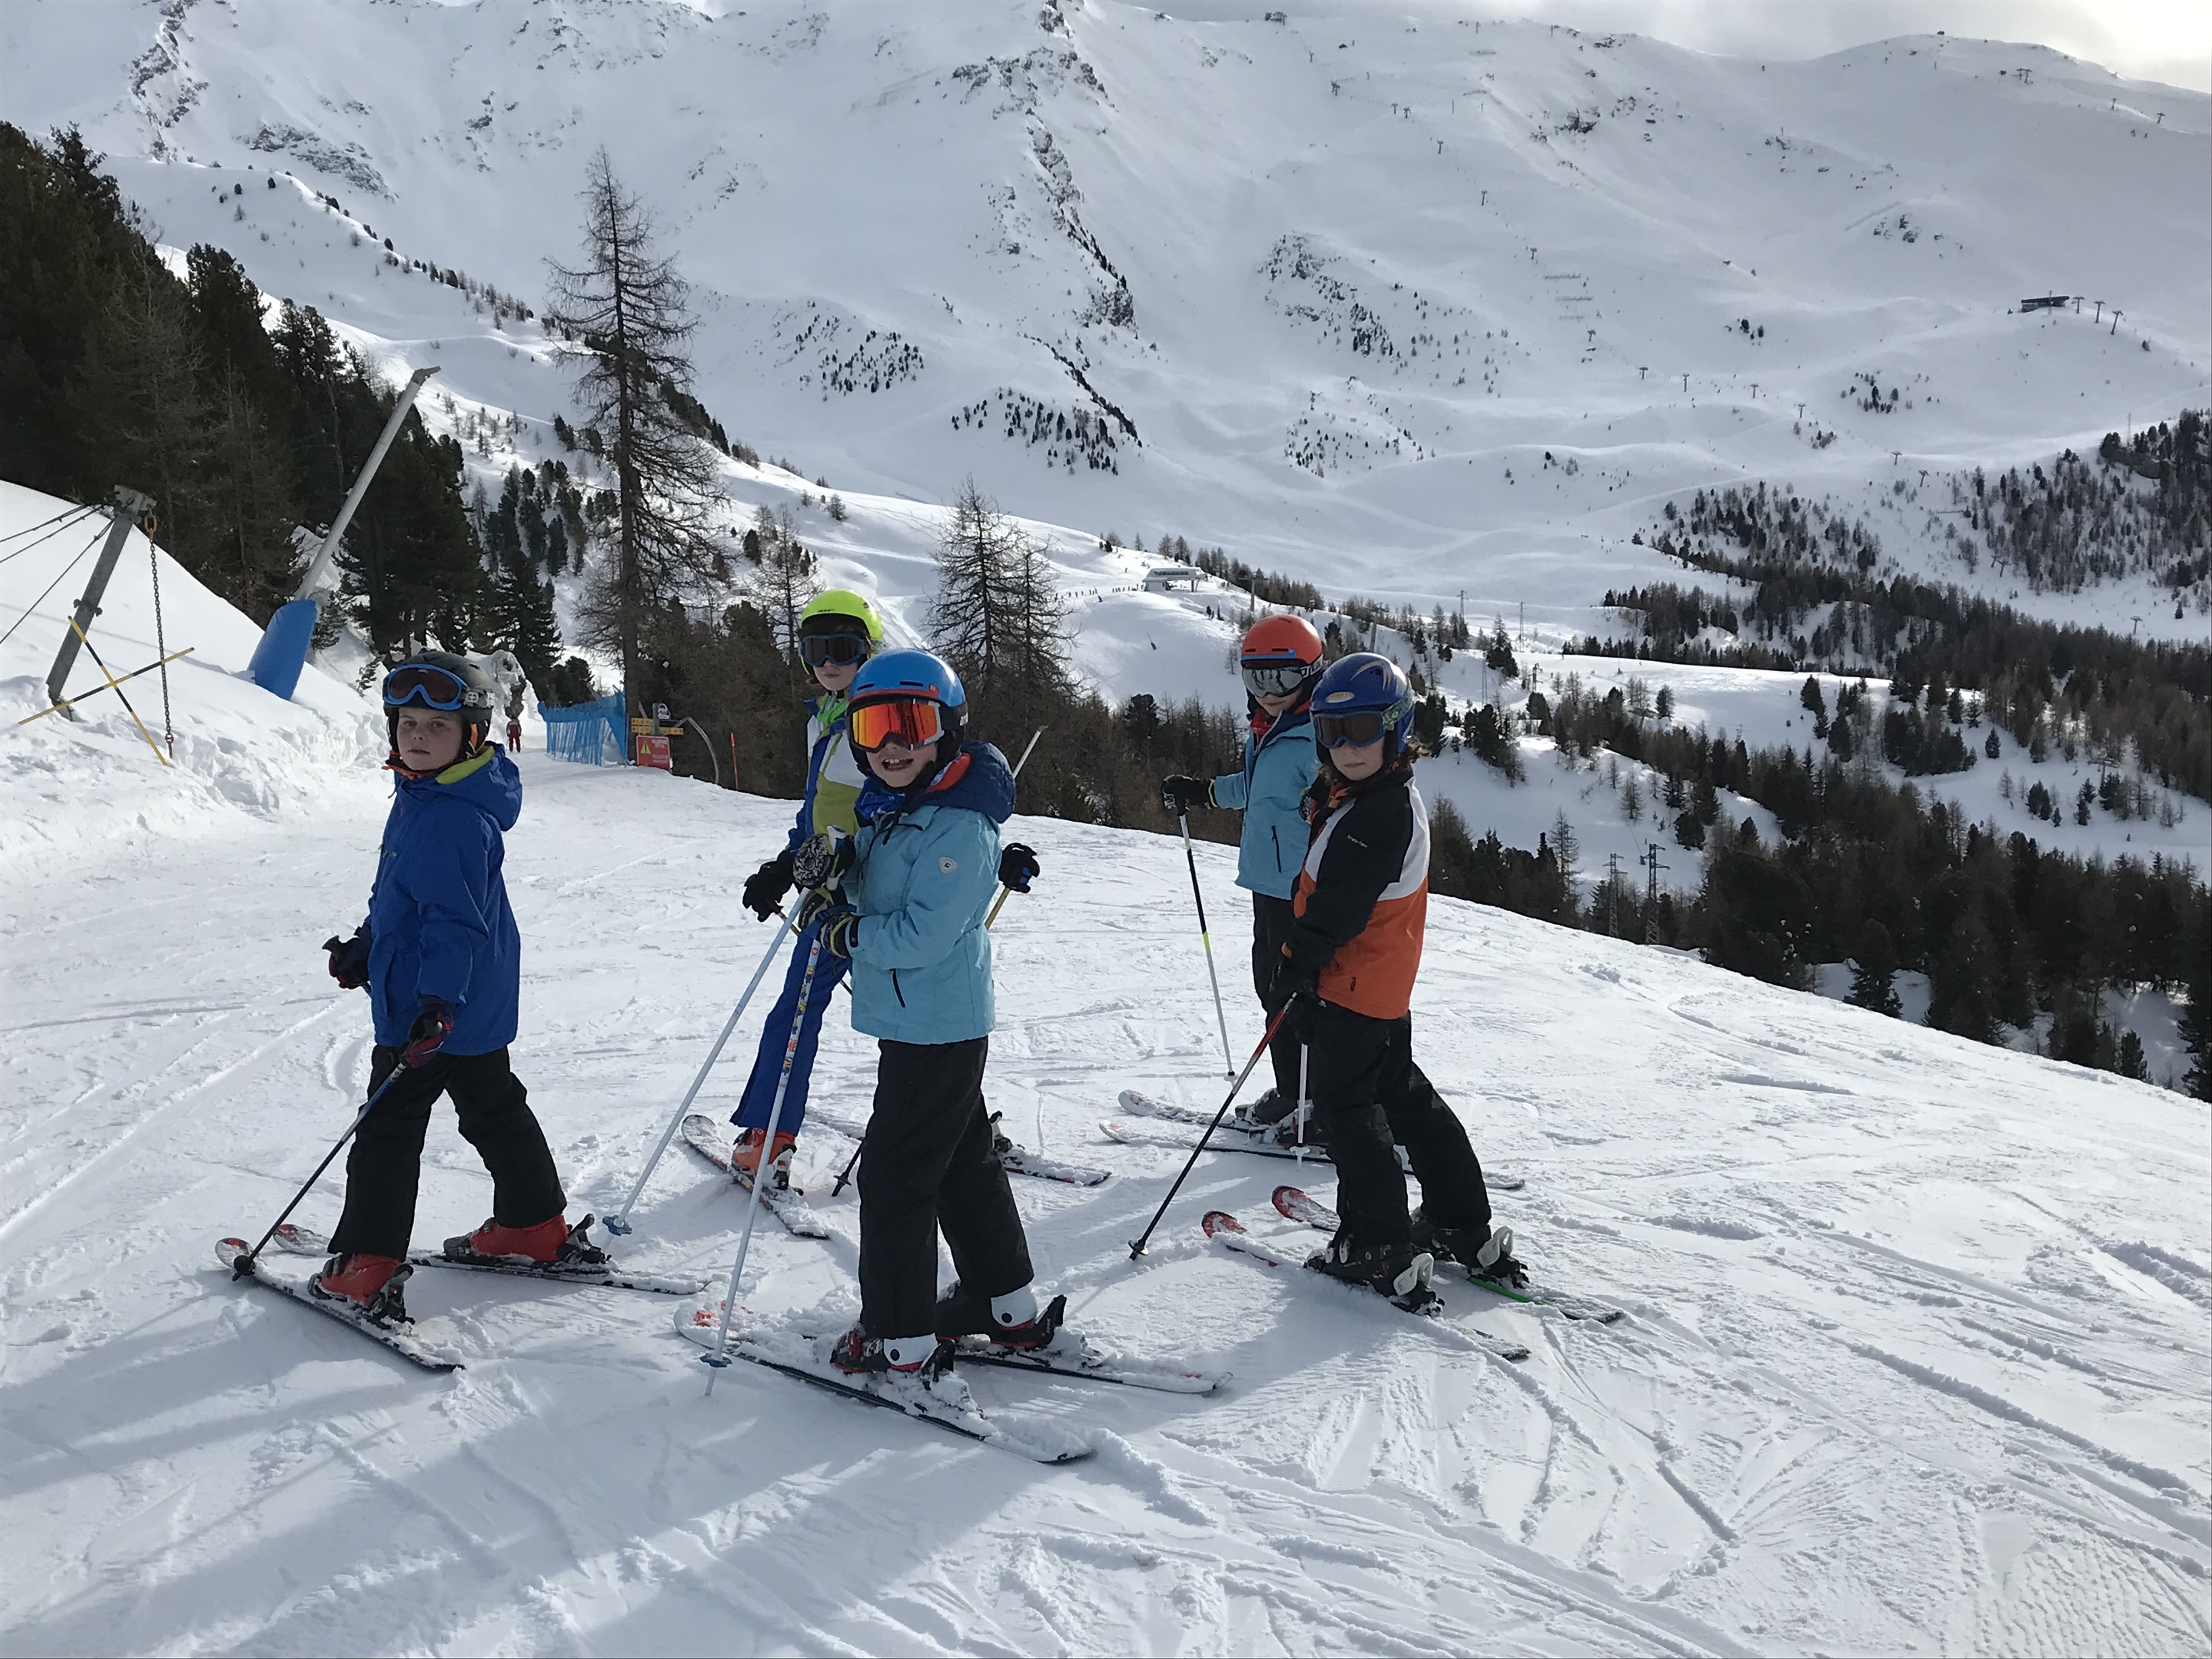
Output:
x=591 y=732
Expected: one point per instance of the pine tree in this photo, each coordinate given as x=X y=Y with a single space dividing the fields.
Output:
x=519 y=615
x=999 y=619
x=2195 y=958
x=783 y=579
x=1874 y=972
x=629 y=309
x=1566 y=850
x=1962 y=981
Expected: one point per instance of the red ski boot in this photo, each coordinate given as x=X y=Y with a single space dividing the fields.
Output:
x=370 y=1283
x=745 y=1157
x=543 y=1243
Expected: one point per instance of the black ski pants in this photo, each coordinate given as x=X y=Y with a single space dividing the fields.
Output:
x=1367 y=1093
x=386 y=1162
x=929 y=1165
x=1272 y=918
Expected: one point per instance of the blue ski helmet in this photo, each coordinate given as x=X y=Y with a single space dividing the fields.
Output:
x=1362 y=683
x=918 y=674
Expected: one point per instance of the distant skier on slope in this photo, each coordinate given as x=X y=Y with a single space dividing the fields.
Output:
x=440 y=956
x=838 y=631
x=1349 y=961
x=914 y=885
x=1280 y=659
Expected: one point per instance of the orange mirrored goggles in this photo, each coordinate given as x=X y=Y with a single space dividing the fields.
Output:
x=909 y=722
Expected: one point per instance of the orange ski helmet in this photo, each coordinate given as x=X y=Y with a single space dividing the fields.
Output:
x=1280 y=641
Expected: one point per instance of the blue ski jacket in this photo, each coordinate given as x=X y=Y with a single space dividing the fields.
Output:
x=926 y=867
x=439 y=921
x=1277 y=770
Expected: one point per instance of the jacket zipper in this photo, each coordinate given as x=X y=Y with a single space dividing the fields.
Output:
x=896 y=991
x=1275 y=835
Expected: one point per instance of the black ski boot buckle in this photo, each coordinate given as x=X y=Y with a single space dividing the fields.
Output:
x=578 y=1251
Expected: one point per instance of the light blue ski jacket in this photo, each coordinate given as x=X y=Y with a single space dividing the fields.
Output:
x=1276 y=771
x=924 y=872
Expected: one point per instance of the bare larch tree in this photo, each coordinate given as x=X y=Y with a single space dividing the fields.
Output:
x=628 y=310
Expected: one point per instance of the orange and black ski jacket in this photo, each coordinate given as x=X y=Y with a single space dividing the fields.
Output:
x=1362 y=900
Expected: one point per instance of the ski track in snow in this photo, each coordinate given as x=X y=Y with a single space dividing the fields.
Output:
x=1872 y=1391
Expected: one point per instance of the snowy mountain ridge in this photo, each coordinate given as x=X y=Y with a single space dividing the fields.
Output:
x=1324 y=290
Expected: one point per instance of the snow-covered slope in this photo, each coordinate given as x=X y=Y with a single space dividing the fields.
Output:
x=1333 y=285
x=1915 y=1353
x=1915 y=1358
x=95 y=790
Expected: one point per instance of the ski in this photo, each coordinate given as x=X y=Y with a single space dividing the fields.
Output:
x=1312 y=1213
x=1073 y=1355
x=1229 y=1138
x=297 y=1240
x=799 y=1358
x=1257 y=1137
x=1013 y=1158
x=1016 y=1160
x=398 y=1338
x=1228 y=1231
x=711 y=1140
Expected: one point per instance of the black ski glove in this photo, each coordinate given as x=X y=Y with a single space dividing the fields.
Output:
x=1018 y=866
x=1296 y=978
x=814 y=907
x=822 y=858
x=1180 y=794
x=766 y=886
x=348 y=959
x=841 y=926
x=1292 y=979
x=428 y=1033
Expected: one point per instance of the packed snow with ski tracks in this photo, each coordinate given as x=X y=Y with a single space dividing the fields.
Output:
x=1915 y=1354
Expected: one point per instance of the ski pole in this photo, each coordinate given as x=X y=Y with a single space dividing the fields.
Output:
x=1137 y=1244
x=244 y=1264
x=762 y=1170
x=998 y=904
x=1003 y=892
x=619 y=1222
x=1305 y=1100
x=1229 y=1060
x=846 y=1173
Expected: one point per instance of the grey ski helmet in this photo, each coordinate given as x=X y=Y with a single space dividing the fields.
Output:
x=447 y=683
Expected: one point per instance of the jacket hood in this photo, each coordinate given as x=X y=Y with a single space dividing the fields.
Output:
x=490 y=783
x=978 y=780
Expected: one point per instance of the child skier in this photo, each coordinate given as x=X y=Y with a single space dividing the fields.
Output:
x=1349 y=961
x=916 y=881
x=838 y=631
x=1280 y=658
x=441 y=956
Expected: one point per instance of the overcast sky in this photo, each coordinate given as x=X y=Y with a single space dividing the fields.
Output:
x=2168 y=40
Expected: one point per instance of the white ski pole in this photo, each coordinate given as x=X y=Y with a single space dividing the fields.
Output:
x=762 y=1170
x=1229 y=1058
x=1305 y=1101
x=619 y=1222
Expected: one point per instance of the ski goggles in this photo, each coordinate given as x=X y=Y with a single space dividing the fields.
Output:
x=910 y=722
x=815 y=649
x=1269 y=679
x=1355 y=730
x=427 y=683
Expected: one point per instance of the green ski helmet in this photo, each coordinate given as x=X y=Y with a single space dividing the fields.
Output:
x=840 y=610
